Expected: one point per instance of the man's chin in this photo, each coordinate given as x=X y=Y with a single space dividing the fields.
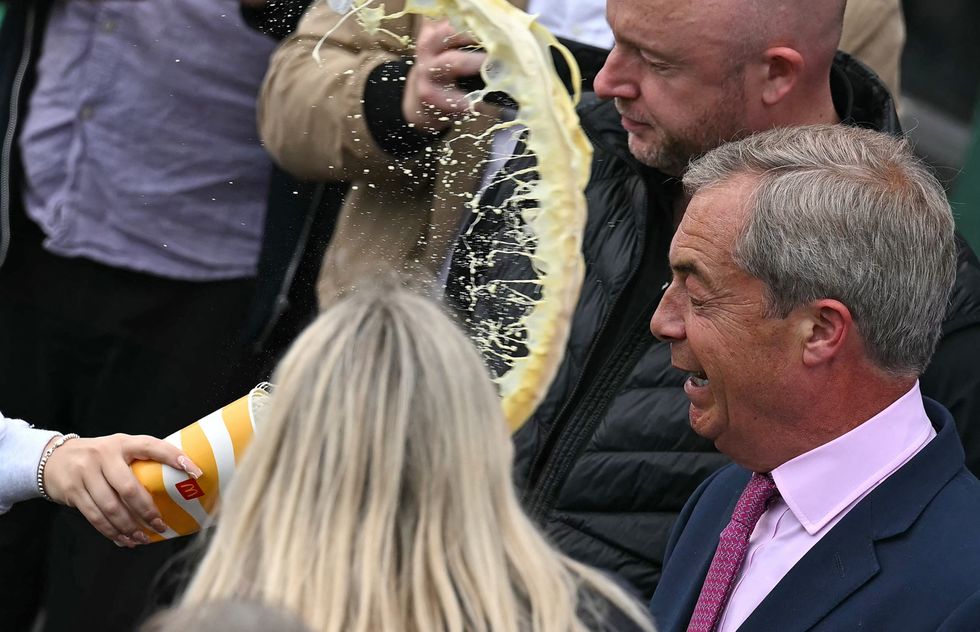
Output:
x=701 y=423
x=655 y=157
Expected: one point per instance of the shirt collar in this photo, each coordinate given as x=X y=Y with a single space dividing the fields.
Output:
x=818 y=485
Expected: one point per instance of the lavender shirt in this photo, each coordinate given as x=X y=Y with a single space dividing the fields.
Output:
x=140 y=145
x=817 y=489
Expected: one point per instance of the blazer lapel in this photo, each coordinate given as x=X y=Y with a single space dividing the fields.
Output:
x=839 y=564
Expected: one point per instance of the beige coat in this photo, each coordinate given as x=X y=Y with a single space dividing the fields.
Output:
x=401 y=214
x=874 y=32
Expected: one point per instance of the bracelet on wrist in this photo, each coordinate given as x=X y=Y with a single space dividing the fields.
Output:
x=44 y=461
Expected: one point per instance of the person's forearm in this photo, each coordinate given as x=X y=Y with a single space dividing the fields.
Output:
x=383 y=111
x=20 y=451
x=311 y=115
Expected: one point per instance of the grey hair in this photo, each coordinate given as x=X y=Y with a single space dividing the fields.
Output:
x=849 y=214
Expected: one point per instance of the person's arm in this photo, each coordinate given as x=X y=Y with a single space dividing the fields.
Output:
x=92 y=475
x=365 y=105
x=20 y=451
x=311 y=115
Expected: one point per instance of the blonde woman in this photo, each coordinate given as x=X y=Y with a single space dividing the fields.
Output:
x=377 y=494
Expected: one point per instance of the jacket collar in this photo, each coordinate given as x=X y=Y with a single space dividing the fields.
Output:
x=845 y=559
x=860 y=98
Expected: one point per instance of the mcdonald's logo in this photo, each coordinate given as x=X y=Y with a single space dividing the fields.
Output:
x=189 y=489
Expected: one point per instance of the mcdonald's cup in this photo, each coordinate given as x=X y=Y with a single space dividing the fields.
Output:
x=216 y=444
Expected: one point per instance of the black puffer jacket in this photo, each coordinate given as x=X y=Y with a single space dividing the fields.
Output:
x=609 y=459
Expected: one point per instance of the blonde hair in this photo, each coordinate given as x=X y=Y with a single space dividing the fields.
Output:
x=378 y=496
x=240 y=616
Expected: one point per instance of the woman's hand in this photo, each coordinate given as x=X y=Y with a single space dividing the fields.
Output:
x=93 y=475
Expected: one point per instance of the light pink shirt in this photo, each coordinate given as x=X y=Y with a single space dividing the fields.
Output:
x=817 y=489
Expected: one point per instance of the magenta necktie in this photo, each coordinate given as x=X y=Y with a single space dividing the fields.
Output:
x=732 y=546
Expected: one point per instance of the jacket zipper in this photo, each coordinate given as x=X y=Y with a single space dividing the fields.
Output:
x=8 y=140
x=533 y=496
x=588 y=415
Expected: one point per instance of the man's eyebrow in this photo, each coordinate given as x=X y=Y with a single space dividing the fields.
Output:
x=657 y=53
x=648 y=48
x=690 y=268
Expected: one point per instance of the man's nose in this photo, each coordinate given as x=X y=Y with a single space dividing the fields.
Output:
x=613 y=80
x=667 y=323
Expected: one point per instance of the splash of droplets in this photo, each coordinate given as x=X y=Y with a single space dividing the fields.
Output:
x=369 y=17
x=519 y=324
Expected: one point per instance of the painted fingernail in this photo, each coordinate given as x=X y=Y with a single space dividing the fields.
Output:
x=159 y=525
x=119 y=544
x=140 y=537
x=188 y=466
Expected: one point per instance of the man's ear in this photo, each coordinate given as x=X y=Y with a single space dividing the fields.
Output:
x=784 y=67
x=827 y=326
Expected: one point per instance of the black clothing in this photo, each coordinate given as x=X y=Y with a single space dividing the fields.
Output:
x=93 y=349
x=609 y=459
x=276 y=18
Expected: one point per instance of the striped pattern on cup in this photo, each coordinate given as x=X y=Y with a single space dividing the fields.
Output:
x=216 y=444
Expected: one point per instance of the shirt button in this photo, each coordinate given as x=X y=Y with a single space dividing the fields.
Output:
x=109 y=26
x=86 y=112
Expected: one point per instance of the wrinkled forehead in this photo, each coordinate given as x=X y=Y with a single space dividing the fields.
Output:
x=718 y=212
x=706 y=21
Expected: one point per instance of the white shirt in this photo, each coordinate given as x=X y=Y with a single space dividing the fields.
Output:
x=21 y=448
x=581 y=21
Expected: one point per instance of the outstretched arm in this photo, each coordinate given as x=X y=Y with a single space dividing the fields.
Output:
x=92 y=475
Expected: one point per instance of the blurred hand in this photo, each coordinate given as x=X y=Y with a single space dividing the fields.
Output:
x=431 y=98
x=93 y=476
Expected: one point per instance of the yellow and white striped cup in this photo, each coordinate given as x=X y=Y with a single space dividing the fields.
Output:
x=216 y=444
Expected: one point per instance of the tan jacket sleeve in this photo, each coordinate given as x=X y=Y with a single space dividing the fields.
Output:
x=311 y=115
x=874 y=32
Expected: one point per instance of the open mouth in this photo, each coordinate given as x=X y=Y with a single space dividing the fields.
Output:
x=699 y=379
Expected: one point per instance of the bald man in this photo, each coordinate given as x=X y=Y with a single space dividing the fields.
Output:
x=608 y=459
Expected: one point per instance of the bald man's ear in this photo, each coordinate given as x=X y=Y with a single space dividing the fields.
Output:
x=827 y=325
x=784 y=68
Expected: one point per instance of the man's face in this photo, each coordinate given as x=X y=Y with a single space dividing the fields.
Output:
x=741 y=363
x=677 y=78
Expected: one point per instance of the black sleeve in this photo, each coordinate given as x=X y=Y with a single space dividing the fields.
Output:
x=953 y=380
x=277 y=19
x=383 y=112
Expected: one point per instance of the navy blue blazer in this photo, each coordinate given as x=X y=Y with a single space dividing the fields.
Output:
x=906 y=558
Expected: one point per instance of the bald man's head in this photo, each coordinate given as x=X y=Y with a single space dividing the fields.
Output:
x=812 y=28
x=689 y=75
